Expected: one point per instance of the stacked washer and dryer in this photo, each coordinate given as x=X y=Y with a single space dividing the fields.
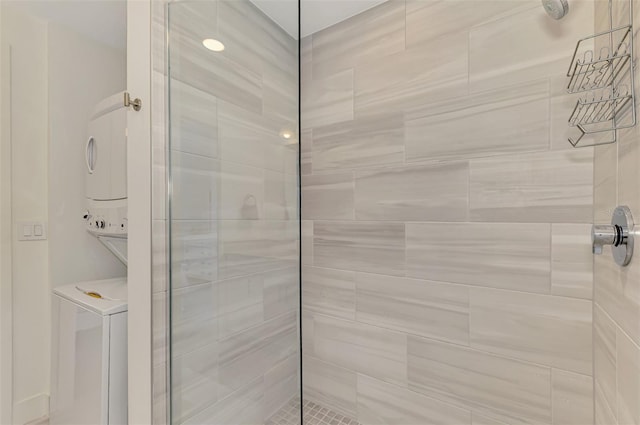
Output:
x=89 y=335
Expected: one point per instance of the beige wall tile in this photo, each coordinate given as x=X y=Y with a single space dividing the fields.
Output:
x=197 y=327
x=219 y=75
x=281 y=292
x=160 y=330
x=561 y=106
x=541 y=42
x=603 y=414
x=282 y=384
x=241 y=131
x=604 y=357
x=555 y=186
x=307 y=242
x=245 y=356
x=307 y=332
x=628 y=378
x=251 y=38
x=430 y=19
x=328 y=197
x=244 y=406
x=330 y=385
x=370 y=35
x=160 y=394
x=240 y=303
x=194 y=120
x=280 y=196
x=376 y=247
x=617 y=291
x=430 y=309
x=628 y=174
x=572 y=398
x=601 y=18
x=571 y=260
x=194 y=252
x=306 y=60
x=158 y=36
x=410 y=78
x=194 y=382
x=306 y=146
x=505 y=120
x=159 y=179
x=328 y=100
x=196 y=187
x=160 y=256
x=195 y=303
x=280 y=94
x=477 y=419
x=605 y=275
x=620 y=13
x=362 y=348
x=362 y=142
x=241 y=192
x=511 y=256
x=549 y=330
x=254 y=246
x=605 y=182
x=436 y=192
x=380 y=403
x=330 y=292
x=278 y=57
x=513 y=391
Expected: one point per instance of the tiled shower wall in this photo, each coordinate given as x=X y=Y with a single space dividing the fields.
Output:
x=447 y=272
x=616 y=311
x=234 y=214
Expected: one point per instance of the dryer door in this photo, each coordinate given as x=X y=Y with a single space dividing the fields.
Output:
x=97 y=155
x=106 y=151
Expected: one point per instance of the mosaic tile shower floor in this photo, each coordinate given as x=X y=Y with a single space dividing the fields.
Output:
x=314 y=414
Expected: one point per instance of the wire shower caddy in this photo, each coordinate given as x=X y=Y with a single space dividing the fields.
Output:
x=601 y=70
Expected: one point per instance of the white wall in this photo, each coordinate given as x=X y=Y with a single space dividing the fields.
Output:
x=57 y=78
x=27 y=37
x=5 y=239
x=81 y=73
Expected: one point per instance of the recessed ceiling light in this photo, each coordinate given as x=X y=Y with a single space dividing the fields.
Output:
x=213 y=44
x=286 y=134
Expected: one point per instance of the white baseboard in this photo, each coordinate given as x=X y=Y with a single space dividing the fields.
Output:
x=30 y=409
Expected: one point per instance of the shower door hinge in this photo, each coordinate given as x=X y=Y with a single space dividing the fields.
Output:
x=135 y=103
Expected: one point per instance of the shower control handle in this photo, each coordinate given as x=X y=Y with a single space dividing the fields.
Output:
x=605 y=234
x=618 y=234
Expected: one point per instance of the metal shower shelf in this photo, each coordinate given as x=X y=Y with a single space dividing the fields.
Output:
x=605 y=80
x=590 y=73
x=595 y=111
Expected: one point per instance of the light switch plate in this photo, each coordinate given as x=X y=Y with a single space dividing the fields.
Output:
x=27 y=230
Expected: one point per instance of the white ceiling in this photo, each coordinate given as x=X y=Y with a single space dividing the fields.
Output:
x=315 y=15
x=102 y=20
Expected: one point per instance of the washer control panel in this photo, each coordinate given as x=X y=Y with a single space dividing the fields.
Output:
x=107 y=217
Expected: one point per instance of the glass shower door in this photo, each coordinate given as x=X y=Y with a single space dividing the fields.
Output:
x=234 y=227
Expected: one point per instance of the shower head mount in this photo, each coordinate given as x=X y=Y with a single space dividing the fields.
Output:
x=557 y=9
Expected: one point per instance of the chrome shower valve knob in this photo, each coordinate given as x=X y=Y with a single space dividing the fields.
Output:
x=605 y=234
x=618 y=234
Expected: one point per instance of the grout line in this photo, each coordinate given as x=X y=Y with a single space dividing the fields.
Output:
x=408 y=335
x=617 y=325
x=551 y=395
x=443 y=282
